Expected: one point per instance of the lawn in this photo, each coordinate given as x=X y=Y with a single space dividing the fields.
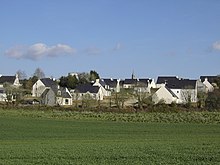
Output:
x=26 y=140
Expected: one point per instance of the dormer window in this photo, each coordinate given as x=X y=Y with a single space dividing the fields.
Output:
x=59 y=93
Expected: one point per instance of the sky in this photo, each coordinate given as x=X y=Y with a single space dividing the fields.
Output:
x=114 y=37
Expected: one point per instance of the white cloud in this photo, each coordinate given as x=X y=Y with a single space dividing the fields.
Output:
x=38 y=51
x=216 y=45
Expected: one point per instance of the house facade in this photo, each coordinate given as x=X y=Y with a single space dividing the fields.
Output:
x=113 y=84
x=164 y=95
x=11 y=80
x=87 y=90
x=56 y=96
x=103 y=87
x=42 y=84
x=184 y=89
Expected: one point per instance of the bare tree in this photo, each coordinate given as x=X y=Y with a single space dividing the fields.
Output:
x=21 y=74
x=39 y=73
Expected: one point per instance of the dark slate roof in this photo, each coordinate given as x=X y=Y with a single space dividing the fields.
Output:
x=7 y=79
x=102 y=82
x=45 y=92
x=177 y=83
x=48 y=82
x=163 y=79
x=143 y=82
x=112 y=83
x=181 y=84
x=64 y=94
x=171 y=92
x=210 y=78
x=83 y=88
x=130 y=81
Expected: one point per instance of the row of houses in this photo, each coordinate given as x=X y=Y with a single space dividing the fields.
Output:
x=168 y=89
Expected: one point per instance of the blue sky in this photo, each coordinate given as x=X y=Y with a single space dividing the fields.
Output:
x=113 y=37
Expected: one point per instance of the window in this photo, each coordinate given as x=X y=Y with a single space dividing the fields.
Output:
x=66 y=101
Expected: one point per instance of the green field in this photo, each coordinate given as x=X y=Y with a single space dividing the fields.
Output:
x=26 y=140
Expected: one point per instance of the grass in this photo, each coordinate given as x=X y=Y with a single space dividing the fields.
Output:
x=33 y=140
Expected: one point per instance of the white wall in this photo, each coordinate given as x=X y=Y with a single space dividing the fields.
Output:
x=162 y=94
x=38 y=88
x=209 y=87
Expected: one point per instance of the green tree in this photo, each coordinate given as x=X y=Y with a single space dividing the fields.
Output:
x=28 y=83
x=83 y=78
x=217 y=81
x=93 y=75
x=70 y=82
x=213 y=100
x=142 y=99
x=121 y=97
x=201 y=96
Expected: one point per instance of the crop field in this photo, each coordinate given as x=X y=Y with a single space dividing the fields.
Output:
x=32 y=140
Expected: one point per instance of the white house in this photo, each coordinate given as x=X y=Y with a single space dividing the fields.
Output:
x=87 y=90
x=208 y=85
x=11 y=80
x=165 y=95
x=184 y=89
x=112 y=84
x=140 y=85
x=129 y=83
x=210 y=82
x=103 y=87
x=42 y=84
x=56 y=96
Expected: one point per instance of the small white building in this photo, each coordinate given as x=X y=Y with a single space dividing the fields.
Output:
x=208 y=85
x=11 y=80
x=103 y=87
x=165 y=95
x=209 y=82
x=87 y=90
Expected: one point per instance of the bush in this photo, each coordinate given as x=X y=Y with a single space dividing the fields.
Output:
x=213 y=100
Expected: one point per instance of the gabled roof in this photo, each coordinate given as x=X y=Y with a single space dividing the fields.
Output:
x=143 y=82
x=171 y=92
x=64 y=93
x=181 y=84
x=84 y=88
x=164 y=79
x=210 y=78
x=7 y=79
x=130 y=81
x=102 y=82
x=177 y=83
x=45 y=92
x=112 y=83
x=48 y=82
